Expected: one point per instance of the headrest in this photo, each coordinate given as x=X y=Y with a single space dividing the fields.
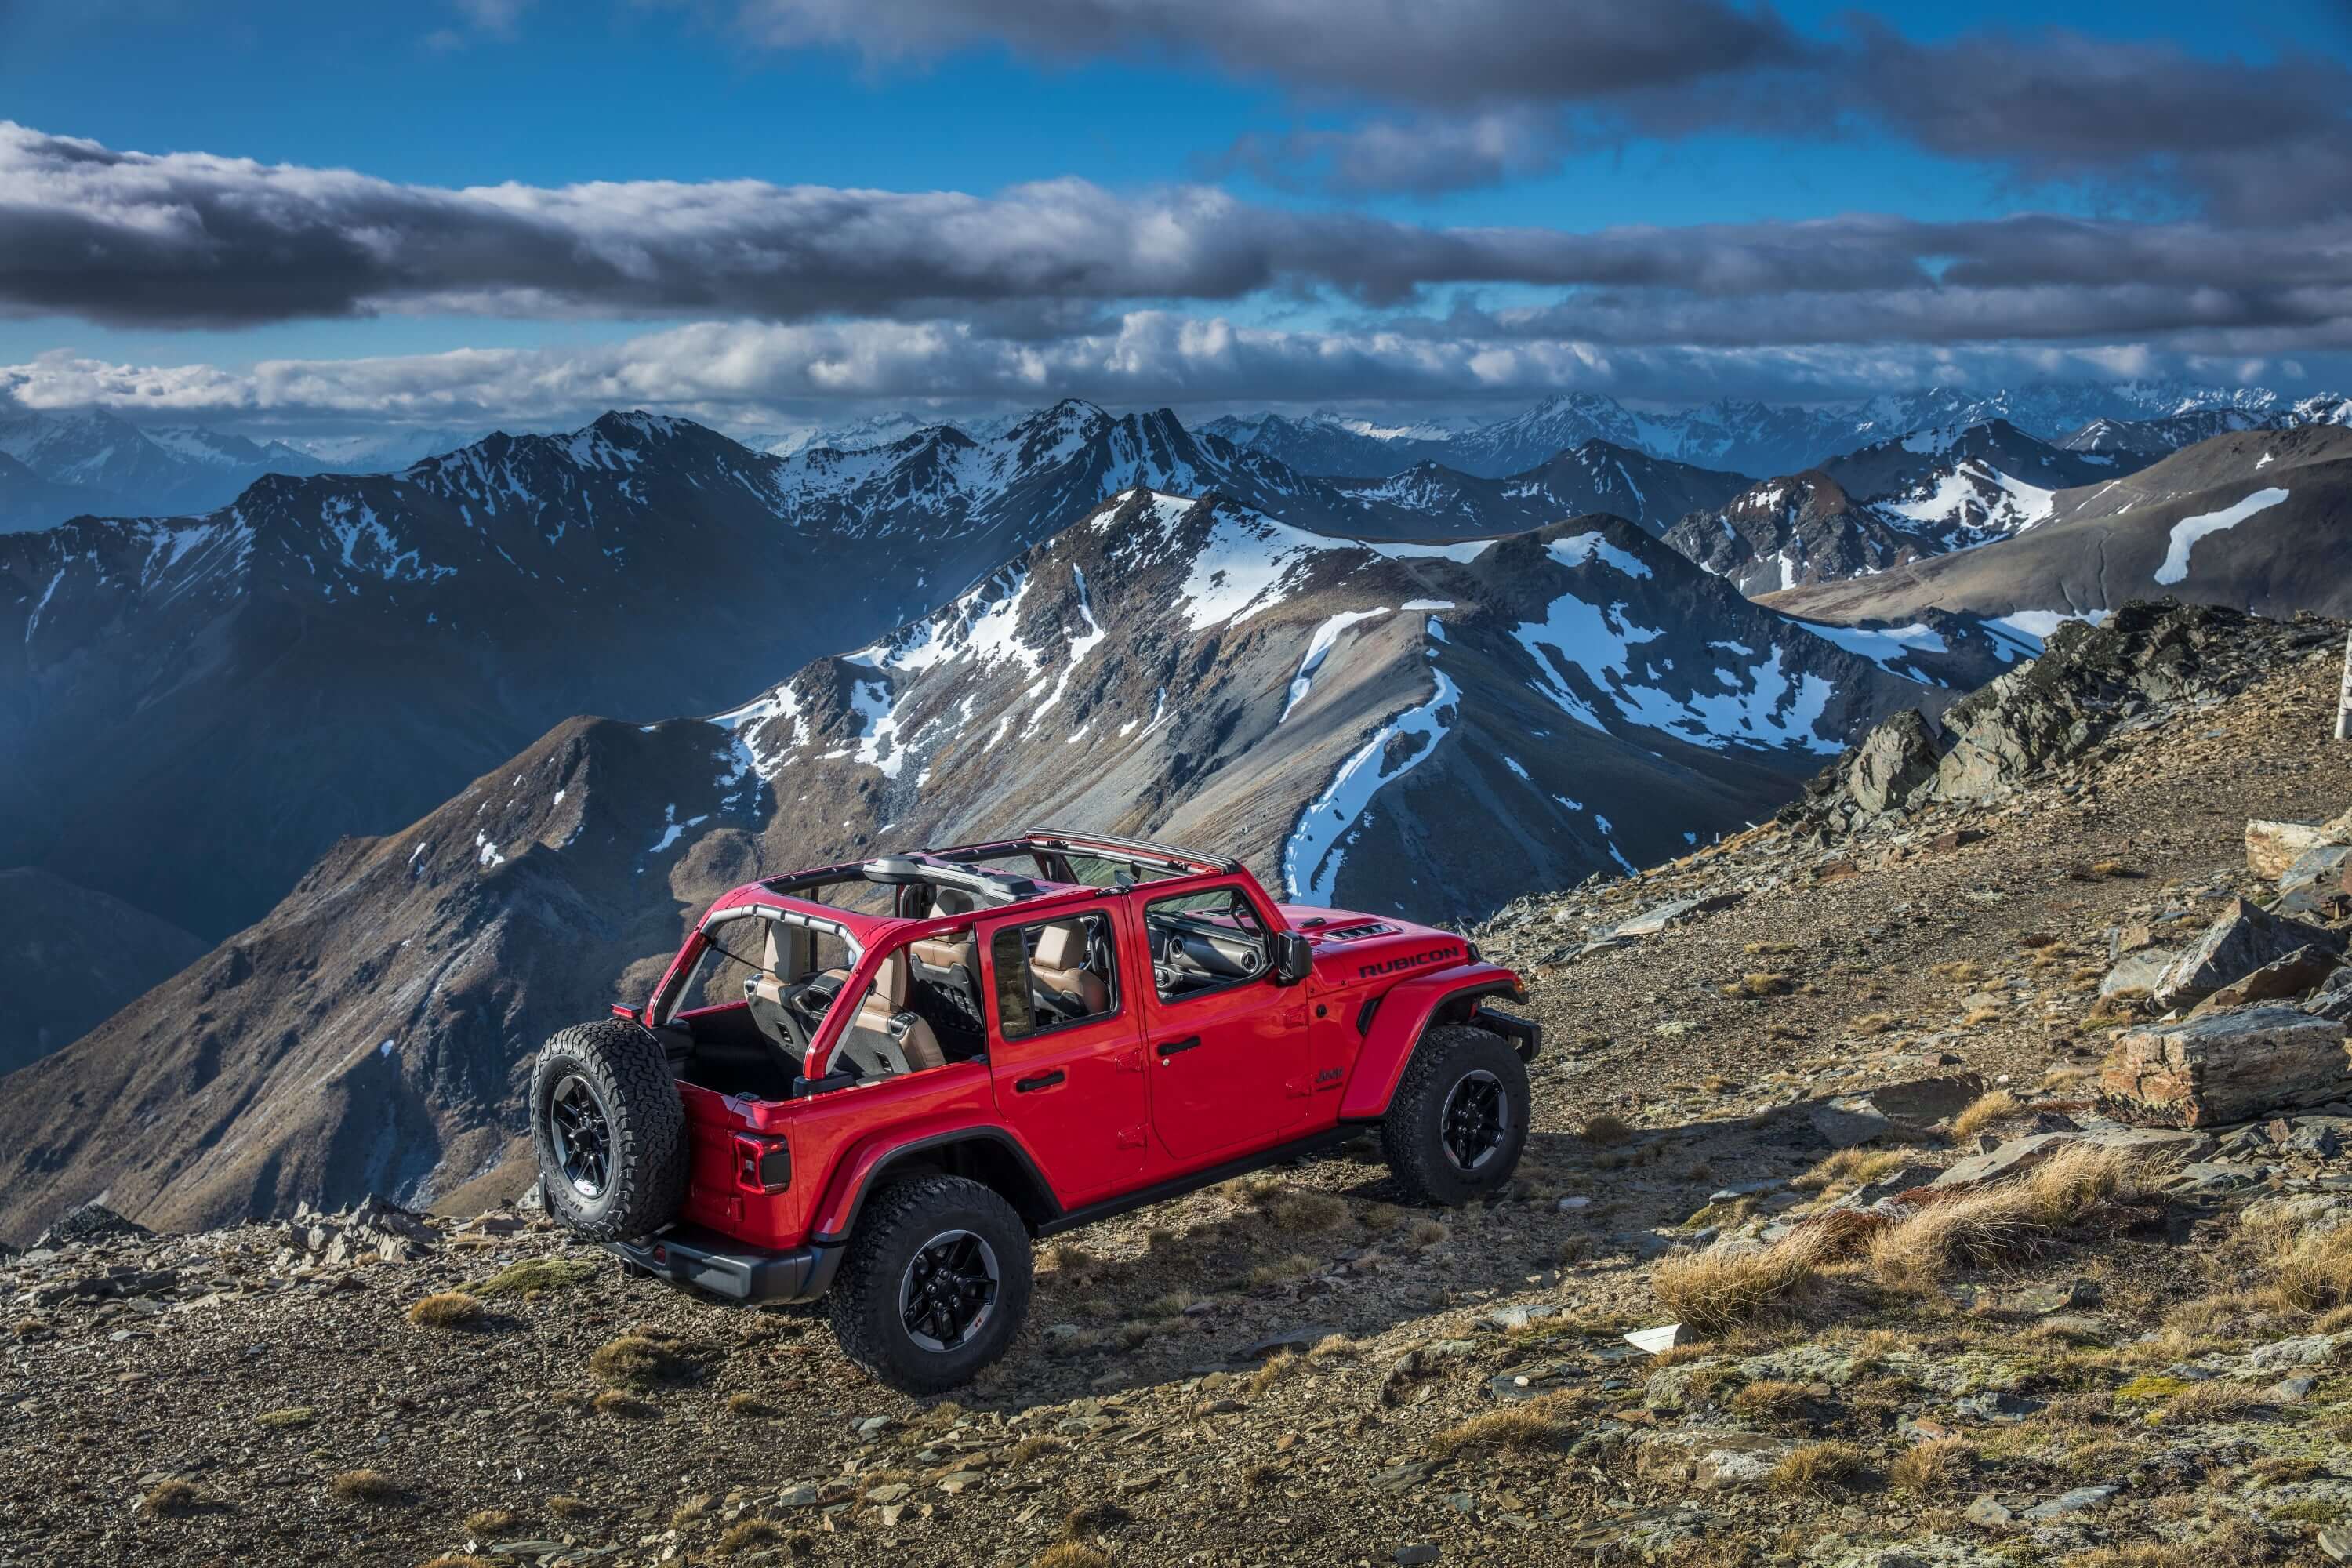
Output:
x=890 y=980
x=950 y=902
x=944 y=952
x=1060 y=947
x=771 y=957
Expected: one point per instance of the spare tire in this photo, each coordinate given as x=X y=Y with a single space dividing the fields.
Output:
x=609 y=1130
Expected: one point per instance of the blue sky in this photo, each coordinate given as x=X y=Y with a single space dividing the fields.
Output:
x=960 y=96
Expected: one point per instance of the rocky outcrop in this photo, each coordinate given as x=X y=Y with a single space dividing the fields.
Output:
x=2244 y=939
x=2229 y=1067
x=1893 y=762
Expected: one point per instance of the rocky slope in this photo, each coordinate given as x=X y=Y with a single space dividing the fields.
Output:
x=2252 y=520
x=2112 y=1345
x=1427 y=728
x=68 y=957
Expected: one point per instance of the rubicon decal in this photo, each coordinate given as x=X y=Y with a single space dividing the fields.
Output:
x=1410 y=961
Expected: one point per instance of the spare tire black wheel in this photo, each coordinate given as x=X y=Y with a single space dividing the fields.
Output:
x=609 y=1130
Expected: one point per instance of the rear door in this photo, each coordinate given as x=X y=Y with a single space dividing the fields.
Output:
x=1228 y=1047
x=1065 y=1058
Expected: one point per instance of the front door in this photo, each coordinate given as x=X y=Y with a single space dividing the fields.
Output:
x=1062 y=1051
x=1228 y=1047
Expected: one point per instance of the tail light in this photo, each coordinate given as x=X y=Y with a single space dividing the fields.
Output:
x=762 y=1164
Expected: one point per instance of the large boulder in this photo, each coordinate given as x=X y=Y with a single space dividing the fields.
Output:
x=2298 y=975
x=2229 y=1067
x=1892 y=762
x=2244 y=939
x=2272 y=846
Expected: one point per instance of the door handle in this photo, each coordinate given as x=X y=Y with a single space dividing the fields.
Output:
x=1042 y=1080
x=1169 y=1047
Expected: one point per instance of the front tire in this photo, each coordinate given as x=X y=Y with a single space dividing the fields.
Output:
x=935 y=1286
x=609 y=1130
x=1458 y=1122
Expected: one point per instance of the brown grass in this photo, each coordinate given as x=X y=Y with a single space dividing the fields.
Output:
x=1821 y=1471
x=1714 y=1292
x=1982 y=1112
x=2312 y=1272
x=463 y=1559
x=2234 y=1543
x=1035 y=1447
x=1536 y=1426
x=1757 y=984
x=1092 y=1519
x=446 y=1309
x=1850 y=1168
x=1427 y=1233
x=2215 y=1399
x=173 y=1500
x=1768 y=1402
x=1071 y=1555
x=613 y=1402
x=1963 y=970
x=692 y=1510
x=1940 y=1468
x=641 y=1361
x=1605 y=1131
x=573 y=1507
x=534 y=1275
x=1995 y=1224
x=749 y=1535
x=1308 y=1211
x=742 y=1402
x=1275 y=1369
x=364 y=1486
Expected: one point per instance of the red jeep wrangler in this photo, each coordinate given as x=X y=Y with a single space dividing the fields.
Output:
x=880 y=1080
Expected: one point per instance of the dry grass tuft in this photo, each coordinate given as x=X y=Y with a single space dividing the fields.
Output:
x=1757 y=984
x=692 y=1510
x=488 y=1522
x=1605 y=1131
x=1963 y=970
x=446 y=1309
x=173 y=1500
x=1850 y=1168
x=1335 y=1347
x=1714 y=1292
x=1275 y=1369
x=1427 y=1233
x=1071 y=1555
x=750 y=1536
x=1308 y=1211
x=574 y=1508
x=1821 y=1471
x=1536 y=1426
x=1282 y=1270
x=1092 y=1519
x=640 y=1361
x=364 y=1486
x=1941 y=1468
x=2215 y=1399
x=1770 y=1403
x=462 y=1559
x=533 y=1275
x=291 y=1416
x=1035 y=1447
x=613 y=1402
x=2312 y=1272
x=1993 y=1225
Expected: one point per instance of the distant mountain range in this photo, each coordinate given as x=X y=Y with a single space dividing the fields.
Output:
x=1429 y=728
x=202 y=705
x=1754 y=437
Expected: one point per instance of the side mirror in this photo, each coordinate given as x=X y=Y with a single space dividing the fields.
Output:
x=1294 y=961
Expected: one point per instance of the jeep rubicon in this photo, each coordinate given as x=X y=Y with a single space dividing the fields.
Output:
x=880 y=1081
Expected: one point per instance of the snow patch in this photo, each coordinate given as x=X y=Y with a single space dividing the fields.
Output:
x=1318 y=648
x=2189 y=529
x=1319 y=844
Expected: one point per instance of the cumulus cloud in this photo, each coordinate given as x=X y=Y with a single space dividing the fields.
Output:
x=739 y=371
x=1498 y=88
x=190 y=239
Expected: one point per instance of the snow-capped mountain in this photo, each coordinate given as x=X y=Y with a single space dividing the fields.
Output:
x=2254 y=520
x=446 y=614
x=1892 y=501
x=1596 y=477
x=1425 y=727
x=89 y=461
x=383 y=451
x=2143 y=441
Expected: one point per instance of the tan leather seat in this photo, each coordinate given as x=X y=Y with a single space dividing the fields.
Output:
x=884 y=1038
x=764 y=991
x=1059 y=964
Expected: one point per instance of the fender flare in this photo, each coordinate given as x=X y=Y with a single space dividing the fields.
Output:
x=868 y=1166
x=1403 y=1014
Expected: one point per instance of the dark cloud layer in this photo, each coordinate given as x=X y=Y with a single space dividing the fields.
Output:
x=194 y=240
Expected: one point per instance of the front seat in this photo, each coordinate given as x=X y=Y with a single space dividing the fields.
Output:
x=885 y=1038
x=1058 y=967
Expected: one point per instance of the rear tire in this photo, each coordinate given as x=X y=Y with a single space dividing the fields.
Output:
x=1458 y=1122
x=609 y=1130
x=935 y=1285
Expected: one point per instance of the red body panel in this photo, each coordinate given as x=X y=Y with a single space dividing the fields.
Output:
x=1274 y=1064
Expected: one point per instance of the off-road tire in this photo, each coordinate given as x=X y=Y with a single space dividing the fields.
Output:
x=891 y=1229
x=645 y=1181
x=1412 y=1135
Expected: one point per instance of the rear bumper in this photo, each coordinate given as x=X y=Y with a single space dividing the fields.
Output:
x=690 y=1255
x=1524 y=1033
